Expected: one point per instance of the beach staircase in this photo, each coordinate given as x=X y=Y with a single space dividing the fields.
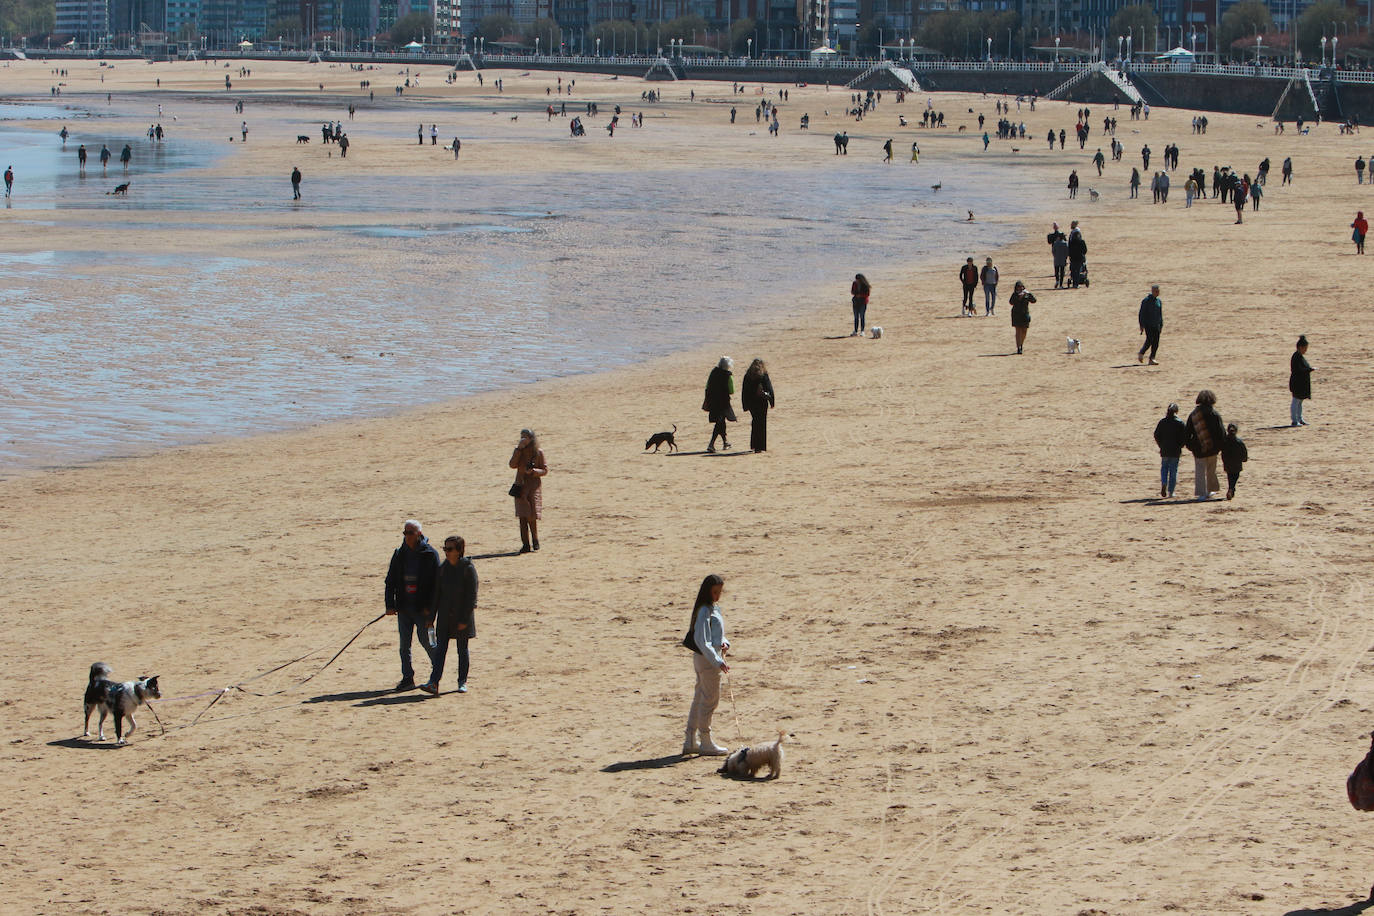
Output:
x=1119 y=82
x=1327 y=97
x=1298 y=99
x=464 y=58
x=661 y=69
x=885 y=75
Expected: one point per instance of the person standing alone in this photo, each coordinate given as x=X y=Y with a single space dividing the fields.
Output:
x=409 y=593
x=706 y=638
x=295 y=183
x=1299 y=380
x=859 y=292
x=1151 y=324
x=528 y=491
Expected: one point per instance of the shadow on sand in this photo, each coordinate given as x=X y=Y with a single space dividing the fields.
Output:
x=348 y=697
x=494 y=556
x=1351 y=910
x=656 y=763
x=90 y=744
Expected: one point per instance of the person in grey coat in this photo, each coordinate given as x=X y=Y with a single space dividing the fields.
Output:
x=455 y=601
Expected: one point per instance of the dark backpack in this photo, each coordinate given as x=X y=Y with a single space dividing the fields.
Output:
x=1360 y=785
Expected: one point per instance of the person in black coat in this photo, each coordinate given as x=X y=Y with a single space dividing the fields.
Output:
x=409 y=593
x=1299 y=380
x=1233 y=455
x=720 y=385
x=1151 y=320
x=455 y=601
x=1078 y=256
x=1170 y=434
x=756 y=397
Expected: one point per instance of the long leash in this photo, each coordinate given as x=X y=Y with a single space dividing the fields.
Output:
x=220 y=693
x=734 y=710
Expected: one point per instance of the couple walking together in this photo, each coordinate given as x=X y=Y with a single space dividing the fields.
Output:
x=756 y=397
x=427 y=595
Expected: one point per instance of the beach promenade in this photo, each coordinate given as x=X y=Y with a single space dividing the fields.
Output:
x=1019 y=682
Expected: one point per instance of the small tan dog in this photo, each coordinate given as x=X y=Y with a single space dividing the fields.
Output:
x=747 y=761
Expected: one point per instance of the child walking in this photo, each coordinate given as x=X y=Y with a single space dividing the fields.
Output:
x=1233 y=455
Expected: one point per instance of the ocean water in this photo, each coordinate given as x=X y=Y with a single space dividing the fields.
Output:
x=382 y=294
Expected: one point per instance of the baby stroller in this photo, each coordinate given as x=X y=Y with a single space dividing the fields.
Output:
x=1078 y=273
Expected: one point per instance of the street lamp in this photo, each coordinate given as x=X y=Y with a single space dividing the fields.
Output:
x=749 y=47
x=1120 y=40
x=598 y=47
x=1333 y=50
x=1129 y=56
x=989 y=50
x=1056 y=49
x=1323 y=50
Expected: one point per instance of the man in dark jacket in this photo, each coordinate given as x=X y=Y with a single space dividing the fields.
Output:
x=455 y=599
x=968 y=276
x=1078 y=256
x=1059 y=250
x=1169 y=435
x=410 y=593
x=1151 y=323
x=1204 y=436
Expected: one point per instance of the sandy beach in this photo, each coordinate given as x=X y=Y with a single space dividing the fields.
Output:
x=1017 y=681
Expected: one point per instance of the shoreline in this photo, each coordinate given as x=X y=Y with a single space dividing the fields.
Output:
x=1017 y=681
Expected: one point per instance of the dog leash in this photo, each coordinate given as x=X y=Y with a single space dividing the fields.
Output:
x=734 y=710
x=219 y=693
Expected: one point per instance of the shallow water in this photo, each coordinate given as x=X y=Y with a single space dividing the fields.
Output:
x=382 y=295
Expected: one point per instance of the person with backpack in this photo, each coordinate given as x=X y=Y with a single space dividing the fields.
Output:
x=706 y=638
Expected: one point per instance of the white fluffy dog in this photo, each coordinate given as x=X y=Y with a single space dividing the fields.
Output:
x=1073 y=344
x=877 y=331
x=747 y=761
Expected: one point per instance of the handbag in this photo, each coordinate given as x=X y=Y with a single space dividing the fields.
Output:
x=1360 y=785
x=514 y=490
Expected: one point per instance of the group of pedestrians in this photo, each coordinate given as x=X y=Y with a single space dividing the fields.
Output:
x=756 y=397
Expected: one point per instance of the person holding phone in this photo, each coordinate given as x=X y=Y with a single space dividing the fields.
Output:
x=530 y=468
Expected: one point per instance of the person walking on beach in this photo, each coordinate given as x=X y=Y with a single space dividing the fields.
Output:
x=433 y=135
x=887 y=150
x=1287 y=170
x=455 y=601
x=1073 y=184
x=988 y=277
x=1151 y=324
x=1359 y=170
x=720 y=385
x=530 y=470
x=1078 y=256
x=1203 y=438
x=859 y=292
x=1059 y=252
x=1099 y=160
x=1359 y=228
x=706 y=638
x=915 y=151
x=968 y=278
x=295 y=183
x=9 y=180
x=1135 y=182
x=243 y=129
x=457 y=146
x=756 y=397
x=125 y=155
x=81 y=158
x=1145 y=157
x=1169 y=436
x=420 y=132
x=409 y=593
x=1233 y=455
x=1020 y=301
x=1238 y=194
x=104 y=157
x=1299 y=381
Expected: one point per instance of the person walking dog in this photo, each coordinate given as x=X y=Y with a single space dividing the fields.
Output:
x=706 y=638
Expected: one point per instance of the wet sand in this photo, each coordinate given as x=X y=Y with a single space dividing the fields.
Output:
x=1018 y=683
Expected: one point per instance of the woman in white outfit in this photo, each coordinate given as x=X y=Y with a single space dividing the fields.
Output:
x=708 y=646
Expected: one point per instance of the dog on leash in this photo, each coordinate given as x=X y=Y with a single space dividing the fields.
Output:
x=1073 y=344
x=877 y=331
x=117 y=699
x=302 y=138
x=747 y=761
x=121 y=190
x=658 y=439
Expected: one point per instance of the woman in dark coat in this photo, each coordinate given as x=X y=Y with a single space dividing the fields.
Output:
x=1299 y=380
x=1020 y=312
x=720 y=385
x=455 y=600
x=756 y=397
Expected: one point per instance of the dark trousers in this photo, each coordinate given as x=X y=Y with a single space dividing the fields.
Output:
x=441 y=652
x=758 y=430
x=719 y=430
x=1231 y=479
x=860 y=313
x=1059 y=275
x=408 y=622
x=1151 y=342
x=968 y=296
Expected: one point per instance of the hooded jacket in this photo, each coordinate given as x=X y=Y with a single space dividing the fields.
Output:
x=410 y=578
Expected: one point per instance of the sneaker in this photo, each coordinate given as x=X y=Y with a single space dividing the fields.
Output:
x=727 y=446
x=711 y=449
x=406 y=683
x=463 y=687
x=1302 y=422
x=1153 y=363
x=429 y=688
x=1140 y=357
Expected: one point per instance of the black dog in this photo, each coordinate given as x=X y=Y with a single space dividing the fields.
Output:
x=121 y=190
x=302 y=138
x=658 y=439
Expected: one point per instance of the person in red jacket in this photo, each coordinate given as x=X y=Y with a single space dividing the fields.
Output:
x=858 y=293
x=1361 y=229
x=968 y=275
